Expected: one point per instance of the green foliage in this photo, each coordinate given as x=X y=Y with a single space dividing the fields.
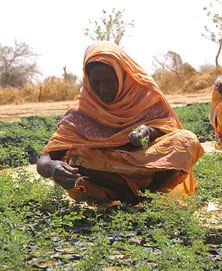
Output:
x=110 y=27
x=194 y=117
x=41 y=228
x=22 y=142
x=16 y=198
x=143 y=141
x=207 y=170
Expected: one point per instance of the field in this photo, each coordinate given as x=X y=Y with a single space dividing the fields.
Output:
x=42 y=229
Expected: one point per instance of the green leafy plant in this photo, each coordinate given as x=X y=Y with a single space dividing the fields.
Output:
x=194 y=117
x=41 y=227
x=143 y=141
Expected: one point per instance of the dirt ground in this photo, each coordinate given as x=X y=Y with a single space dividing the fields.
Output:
x=14 y=112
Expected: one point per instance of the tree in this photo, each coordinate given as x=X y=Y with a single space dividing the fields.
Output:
x=110 y=27
x=69 y=77
x=215 y=33
x=17 y=65
x=170 y=61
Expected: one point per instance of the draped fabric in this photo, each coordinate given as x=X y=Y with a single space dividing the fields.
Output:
x=94 y=132
x=215 y=115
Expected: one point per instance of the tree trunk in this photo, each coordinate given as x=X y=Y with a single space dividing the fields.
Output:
x=40 y=94
x=218 y=53
x=65 y=76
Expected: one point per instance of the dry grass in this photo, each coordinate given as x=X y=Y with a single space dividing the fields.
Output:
x=190 y=81
x=168 y=82
x=54 y=89
x=201 y=81
x=10 y=95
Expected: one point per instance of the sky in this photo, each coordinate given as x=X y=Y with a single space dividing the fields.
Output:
x=54 y=30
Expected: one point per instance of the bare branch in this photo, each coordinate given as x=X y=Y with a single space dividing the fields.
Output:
x=17 y=65
x=214 y=33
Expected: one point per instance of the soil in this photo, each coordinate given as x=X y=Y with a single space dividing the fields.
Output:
x=13 y=112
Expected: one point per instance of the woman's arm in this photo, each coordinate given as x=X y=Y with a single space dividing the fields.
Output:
x=46 y=161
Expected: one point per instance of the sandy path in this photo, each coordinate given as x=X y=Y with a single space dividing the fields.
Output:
x=14 y=112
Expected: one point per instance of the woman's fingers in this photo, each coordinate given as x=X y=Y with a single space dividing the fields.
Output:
x=133 y=137
x=64 y=169
x=143 y=131
x=64 y=174
x=69 y=168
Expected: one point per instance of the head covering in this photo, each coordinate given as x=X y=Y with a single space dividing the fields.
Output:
x=134 y=95
x=215 y=115
x=216 y=98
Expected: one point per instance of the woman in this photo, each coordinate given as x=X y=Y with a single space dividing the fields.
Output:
x=119 y=136
x=215 y=115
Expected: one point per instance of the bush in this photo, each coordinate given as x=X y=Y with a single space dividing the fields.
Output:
x=56 y=89
x=168 y=81
x=201 y=81
x=10 y=95
x=52 y=89
x=188 y=80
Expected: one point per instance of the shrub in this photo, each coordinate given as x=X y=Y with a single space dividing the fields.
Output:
x=12 y=95
x=56 y=89
x=52 y=89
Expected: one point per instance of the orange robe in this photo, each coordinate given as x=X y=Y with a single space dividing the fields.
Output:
x=215 y=115
x=93 y=132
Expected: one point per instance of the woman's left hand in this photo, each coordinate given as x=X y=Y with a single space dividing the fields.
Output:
x=139 y=133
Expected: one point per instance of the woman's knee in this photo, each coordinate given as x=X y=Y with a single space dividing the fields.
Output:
x=188 y=135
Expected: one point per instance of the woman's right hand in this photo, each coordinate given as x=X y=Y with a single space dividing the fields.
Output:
x=63 y=174
x=141 y=132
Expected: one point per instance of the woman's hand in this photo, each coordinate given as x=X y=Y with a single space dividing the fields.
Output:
x=50 y=165
x=63 y=174
x=143 y=135
x=139 y=135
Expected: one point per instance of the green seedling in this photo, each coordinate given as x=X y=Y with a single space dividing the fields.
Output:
x=143 y=141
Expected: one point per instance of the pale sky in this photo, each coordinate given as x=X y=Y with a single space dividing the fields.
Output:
x=54 y=29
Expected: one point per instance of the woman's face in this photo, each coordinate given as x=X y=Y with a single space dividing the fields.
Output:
x=103 y=82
